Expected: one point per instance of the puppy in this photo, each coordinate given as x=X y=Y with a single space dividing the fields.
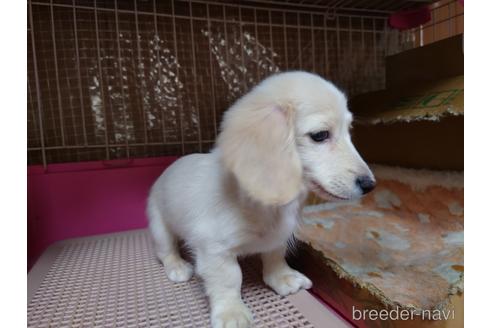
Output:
x=288 y=135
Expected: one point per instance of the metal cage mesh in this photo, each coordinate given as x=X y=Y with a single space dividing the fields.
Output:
x=136 y=78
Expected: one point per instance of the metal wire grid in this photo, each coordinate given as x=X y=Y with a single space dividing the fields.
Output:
x=124 y=79
x=367 y=6
x=116 y=281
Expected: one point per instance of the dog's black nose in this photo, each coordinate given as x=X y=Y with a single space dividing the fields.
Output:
x=365 y=183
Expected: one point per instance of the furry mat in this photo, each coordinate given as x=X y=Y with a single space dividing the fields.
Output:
x=403 y=242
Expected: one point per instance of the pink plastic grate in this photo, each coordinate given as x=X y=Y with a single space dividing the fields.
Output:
x=116 y=281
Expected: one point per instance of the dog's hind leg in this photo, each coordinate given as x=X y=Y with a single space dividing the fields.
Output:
x=177 y=269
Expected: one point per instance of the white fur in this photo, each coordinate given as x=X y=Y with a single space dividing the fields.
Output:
x=246 y=195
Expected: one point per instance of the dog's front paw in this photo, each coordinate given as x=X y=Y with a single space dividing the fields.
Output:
x=178 y=270
x=287 y=281
x=232 y=315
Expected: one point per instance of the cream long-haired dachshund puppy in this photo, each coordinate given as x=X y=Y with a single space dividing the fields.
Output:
x=288 y=135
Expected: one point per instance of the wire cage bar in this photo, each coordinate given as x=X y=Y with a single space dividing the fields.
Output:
x=131 y=78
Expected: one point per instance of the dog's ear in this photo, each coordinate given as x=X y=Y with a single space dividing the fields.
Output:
x=257 y=145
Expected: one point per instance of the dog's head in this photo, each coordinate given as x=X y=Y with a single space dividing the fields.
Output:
x=291 y=132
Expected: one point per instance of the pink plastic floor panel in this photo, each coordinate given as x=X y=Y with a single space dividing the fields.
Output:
x=115 y=280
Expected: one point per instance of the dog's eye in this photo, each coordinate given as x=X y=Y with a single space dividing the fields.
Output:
x=320 y=136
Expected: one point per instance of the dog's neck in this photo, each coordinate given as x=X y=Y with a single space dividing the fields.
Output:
x=248 y=201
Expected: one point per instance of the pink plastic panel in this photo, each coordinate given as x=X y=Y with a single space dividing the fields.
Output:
x=82 y=199
x=116 y=281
